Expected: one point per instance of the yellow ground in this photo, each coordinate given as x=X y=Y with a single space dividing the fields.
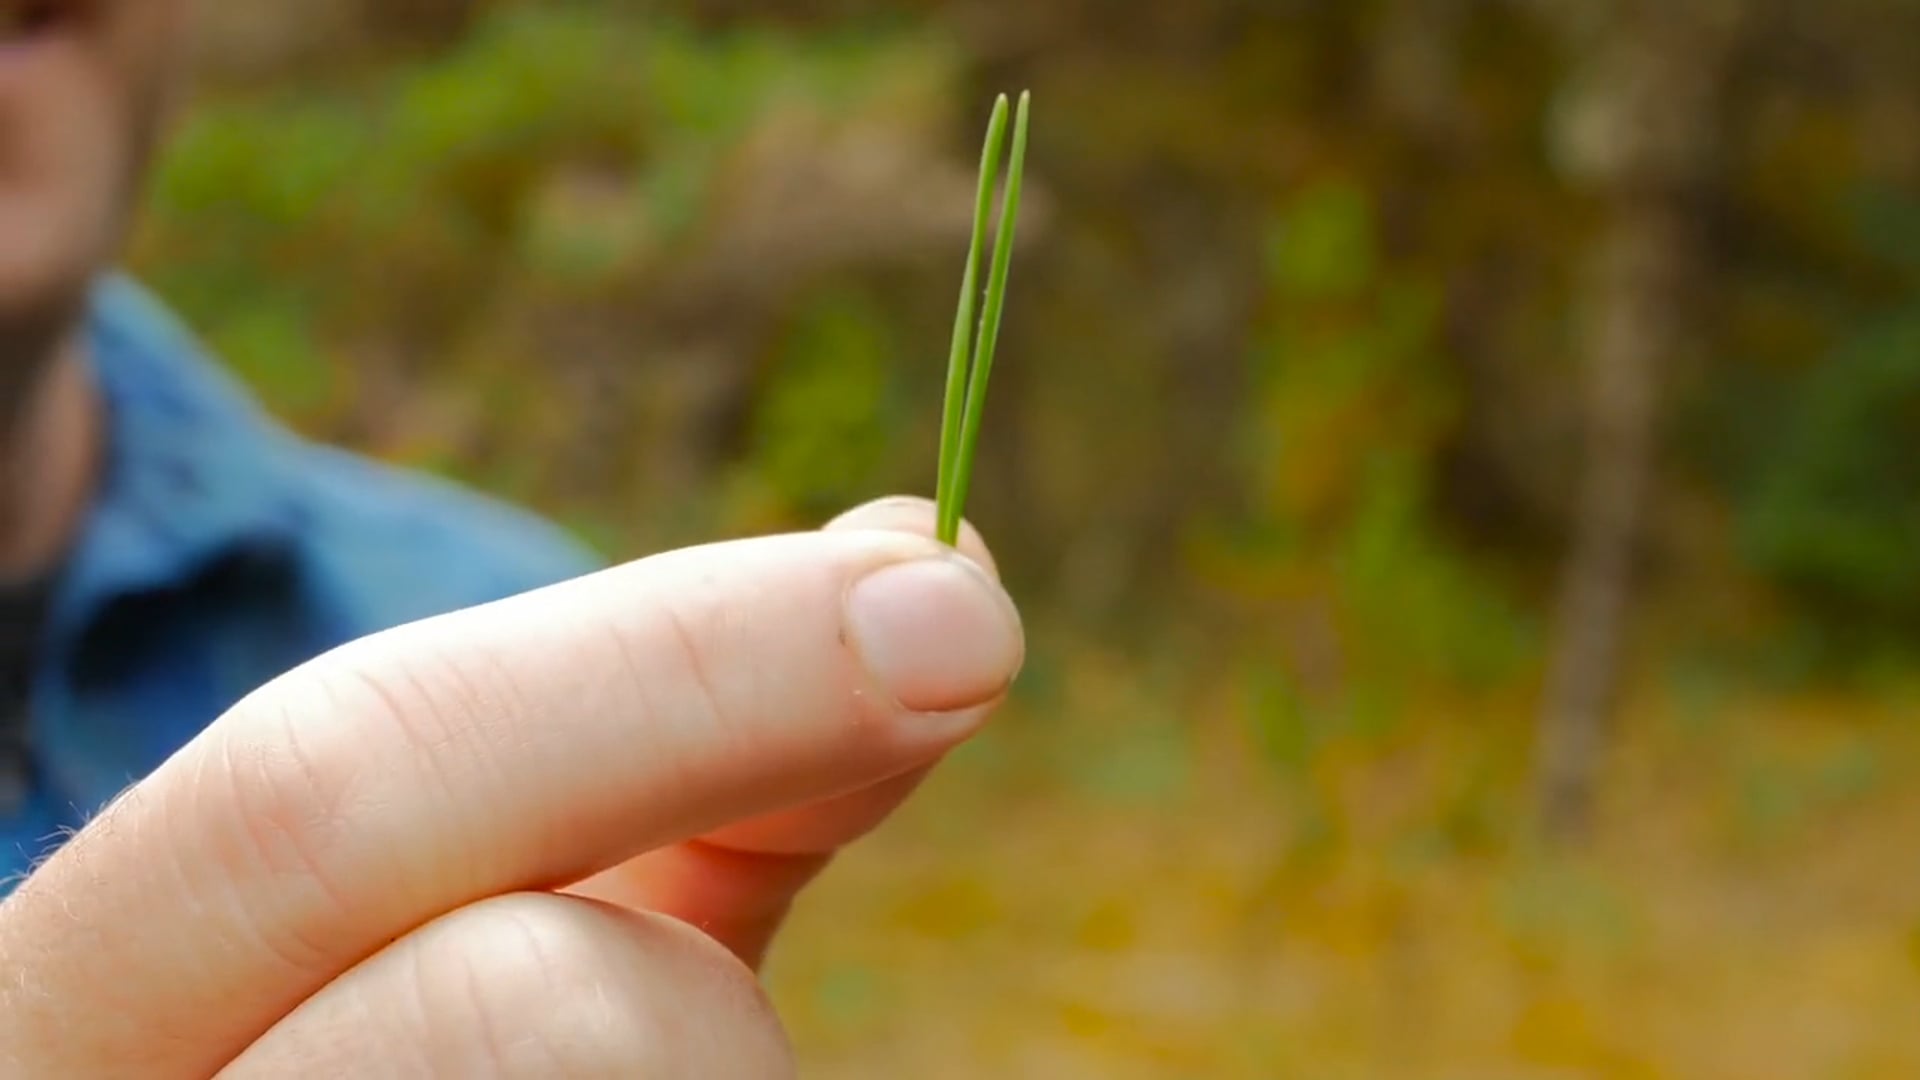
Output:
x=1113 y=894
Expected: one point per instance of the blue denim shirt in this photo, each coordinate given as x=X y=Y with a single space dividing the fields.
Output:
x=219 y=552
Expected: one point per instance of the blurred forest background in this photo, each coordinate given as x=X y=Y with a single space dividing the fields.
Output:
x=1460 y=459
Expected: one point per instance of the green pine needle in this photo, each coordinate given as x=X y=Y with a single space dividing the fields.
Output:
x=968 y=367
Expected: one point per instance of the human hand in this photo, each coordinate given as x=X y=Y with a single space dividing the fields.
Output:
x=479 y=845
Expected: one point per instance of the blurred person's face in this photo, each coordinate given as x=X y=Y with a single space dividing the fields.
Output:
x=83 y=84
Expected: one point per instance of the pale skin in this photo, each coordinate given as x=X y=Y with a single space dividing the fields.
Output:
x=551 y=836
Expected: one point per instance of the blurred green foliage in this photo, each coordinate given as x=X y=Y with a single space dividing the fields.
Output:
x=1832 y=508
x=423 y=213
x=824 y=430
x=1278 y=460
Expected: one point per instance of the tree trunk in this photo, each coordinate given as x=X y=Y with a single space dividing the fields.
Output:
x=1642 y=269
x=1642 y=134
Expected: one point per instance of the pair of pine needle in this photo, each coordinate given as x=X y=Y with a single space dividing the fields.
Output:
x=971 y=359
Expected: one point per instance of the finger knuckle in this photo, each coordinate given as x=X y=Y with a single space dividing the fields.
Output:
x=541 y=994
x=401 y=701
x=279 y=822
x=707 y=979
x=558 y=987
x=688 y=637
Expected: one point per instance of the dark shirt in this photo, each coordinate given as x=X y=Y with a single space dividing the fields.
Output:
x=23 y=609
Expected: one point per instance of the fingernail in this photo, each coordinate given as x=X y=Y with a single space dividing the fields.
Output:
x=892 y=510
x=897 y=512
x=936 y=632
x=913 y=514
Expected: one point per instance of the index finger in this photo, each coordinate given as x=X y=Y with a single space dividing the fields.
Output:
x=521 y=745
